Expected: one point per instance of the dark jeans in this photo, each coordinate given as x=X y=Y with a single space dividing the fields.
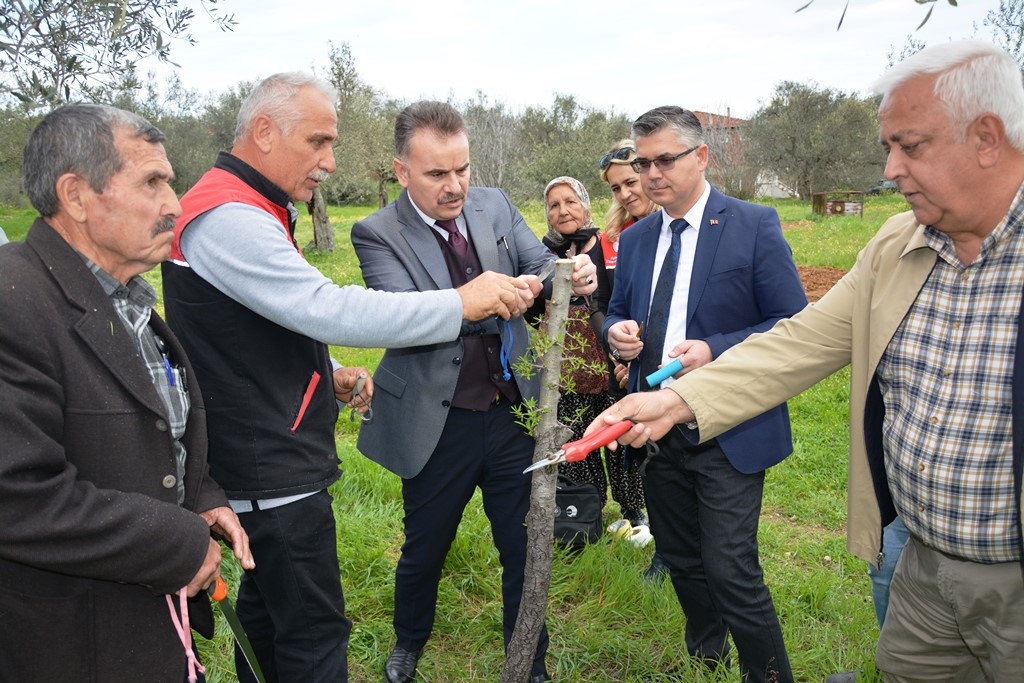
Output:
x=291 y=605
x=704 y=514
x=485 y=449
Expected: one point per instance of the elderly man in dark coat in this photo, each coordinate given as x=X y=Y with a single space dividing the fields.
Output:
x=106 y=505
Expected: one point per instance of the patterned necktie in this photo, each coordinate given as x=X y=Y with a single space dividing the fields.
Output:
x=657 y=318
x=455 y=238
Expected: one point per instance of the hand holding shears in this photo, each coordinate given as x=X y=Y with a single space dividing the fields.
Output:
x=578 y=450
x=359 y=402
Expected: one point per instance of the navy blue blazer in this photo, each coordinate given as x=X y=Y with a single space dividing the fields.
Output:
x=743 y=281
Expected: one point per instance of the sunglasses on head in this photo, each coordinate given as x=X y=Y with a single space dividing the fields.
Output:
x=620 y=154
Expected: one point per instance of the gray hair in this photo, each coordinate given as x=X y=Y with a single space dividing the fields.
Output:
x=79 y=139
x=273 y=96
x=974 y=77
x=683 y=121
x=439 y=117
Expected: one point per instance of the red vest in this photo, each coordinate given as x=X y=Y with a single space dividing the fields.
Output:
x=218 y=187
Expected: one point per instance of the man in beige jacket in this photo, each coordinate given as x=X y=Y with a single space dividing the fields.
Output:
x=929 y=319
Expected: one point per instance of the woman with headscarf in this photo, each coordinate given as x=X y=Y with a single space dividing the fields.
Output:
x=571 y=231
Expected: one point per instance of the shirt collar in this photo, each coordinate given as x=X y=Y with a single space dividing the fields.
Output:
x=431 y=221
x=137 y=291
x=694 y=216
x=1010 y=225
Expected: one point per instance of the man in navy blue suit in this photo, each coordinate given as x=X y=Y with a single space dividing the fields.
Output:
x=693 y=280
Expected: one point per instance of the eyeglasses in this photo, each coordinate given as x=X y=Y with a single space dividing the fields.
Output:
x=620 y=154
x=641 y=165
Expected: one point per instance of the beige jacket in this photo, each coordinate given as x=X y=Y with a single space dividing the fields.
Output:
x=852 y=324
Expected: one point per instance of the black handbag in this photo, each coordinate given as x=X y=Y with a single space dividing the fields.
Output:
x=577 y=514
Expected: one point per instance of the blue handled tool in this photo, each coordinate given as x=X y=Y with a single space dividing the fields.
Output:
x=663 y=373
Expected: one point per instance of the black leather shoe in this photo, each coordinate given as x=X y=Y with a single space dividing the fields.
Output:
x=540 y=678
x=401 y=665
x=658 y=569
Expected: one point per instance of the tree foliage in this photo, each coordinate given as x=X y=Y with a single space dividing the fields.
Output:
x=52 y=50
x=1007 y=25
x=927 y=16
x=566 y=139
x=496 y=147
x=365 y=149
x=911 y=47
x=816 y=139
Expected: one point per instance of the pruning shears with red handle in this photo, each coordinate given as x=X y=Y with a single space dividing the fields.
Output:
x=577 y=450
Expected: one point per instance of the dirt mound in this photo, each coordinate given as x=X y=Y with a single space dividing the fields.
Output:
x=817 y=281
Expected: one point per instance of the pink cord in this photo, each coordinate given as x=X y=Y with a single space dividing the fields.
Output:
x=185 y=634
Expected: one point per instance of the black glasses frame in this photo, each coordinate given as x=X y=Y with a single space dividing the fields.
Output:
x=620 y=154
x=641 y=165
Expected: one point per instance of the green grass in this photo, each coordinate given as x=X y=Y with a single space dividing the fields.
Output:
x=16 y=222
x=606 y=623
x=833 y=241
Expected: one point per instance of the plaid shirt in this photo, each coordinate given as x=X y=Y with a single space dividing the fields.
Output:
x=946 y=379
x=134 y=304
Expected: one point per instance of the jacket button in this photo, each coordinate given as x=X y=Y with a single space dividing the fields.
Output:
x=161 y=425
x=457 y=360
x=446 y=403
x=169 y=481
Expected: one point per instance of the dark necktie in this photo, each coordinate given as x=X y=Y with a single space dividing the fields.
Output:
x=657 y=318
x=455 y=238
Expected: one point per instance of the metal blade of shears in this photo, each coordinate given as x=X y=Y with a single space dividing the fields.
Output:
x=218 y=590
x=581 y=448
x=548 y=270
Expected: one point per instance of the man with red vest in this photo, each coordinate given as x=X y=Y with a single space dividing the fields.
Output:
x=256 y=320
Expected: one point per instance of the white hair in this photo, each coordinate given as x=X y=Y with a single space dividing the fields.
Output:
x=274 y=97
x=975 y=77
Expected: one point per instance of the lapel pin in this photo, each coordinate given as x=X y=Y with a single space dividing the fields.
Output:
x=713 y=221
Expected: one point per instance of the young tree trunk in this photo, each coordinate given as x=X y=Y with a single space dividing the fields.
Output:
x=540 y=521
x=323 y=232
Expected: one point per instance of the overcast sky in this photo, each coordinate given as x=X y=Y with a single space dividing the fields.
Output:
x=625 y=55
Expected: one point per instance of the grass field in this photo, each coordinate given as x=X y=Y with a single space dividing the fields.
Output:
x=606 y=623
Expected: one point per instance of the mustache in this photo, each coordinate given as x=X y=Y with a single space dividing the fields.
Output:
x=449 y=197
x=165 y=224
x=319 y=175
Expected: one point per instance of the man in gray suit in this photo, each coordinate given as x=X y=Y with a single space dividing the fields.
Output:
x=256 y=319
x=443 y=418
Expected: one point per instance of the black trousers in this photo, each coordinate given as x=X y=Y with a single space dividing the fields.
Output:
x=292 y=606
x=485 y=449
x=704 y=514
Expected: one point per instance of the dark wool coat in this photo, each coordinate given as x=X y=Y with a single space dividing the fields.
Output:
x=91 y=536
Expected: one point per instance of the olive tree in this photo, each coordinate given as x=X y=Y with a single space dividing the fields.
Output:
x=54 y=50
x=816 y=139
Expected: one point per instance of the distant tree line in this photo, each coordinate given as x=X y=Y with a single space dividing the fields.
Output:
x=807 y=138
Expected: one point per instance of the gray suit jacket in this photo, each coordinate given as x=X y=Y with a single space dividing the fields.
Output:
x=414 y=387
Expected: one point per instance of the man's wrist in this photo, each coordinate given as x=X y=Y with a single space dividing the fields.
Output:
x=682 y=412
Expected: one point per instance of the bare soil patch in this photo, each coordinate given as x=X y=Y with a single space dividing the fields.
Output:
x=818 y=280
